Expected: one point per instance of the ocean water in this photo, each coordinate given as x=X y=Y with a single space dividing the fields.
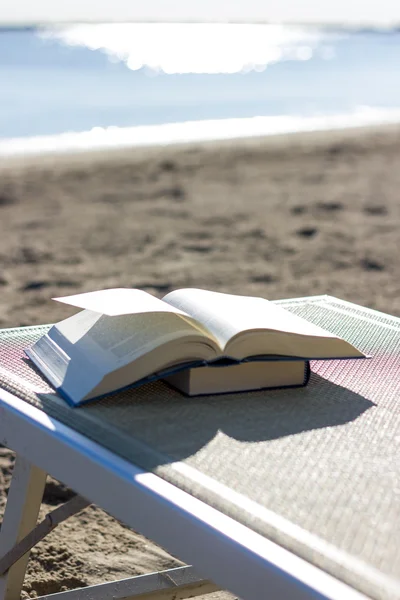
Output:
x=123 y=85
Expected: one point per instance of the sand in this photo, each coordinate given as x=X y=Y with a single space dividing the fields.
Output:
x=278 y=217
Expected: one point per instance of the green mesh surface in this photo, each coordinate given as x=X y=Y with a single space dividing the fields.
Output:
x=316 y=469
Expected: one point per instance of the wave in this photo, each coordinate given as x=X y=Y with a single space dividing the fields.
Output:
x=197 y=48
x=193 y=131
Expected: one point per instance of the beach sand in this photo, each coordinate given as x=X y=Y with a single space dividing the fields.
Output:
x=279 y=217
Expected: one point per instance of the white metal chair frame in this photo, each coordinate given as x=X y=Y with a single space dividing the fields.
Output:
x=241 y=560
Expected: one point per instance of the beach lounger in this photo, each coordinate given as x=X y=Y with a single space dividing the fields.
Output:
x=286 y=494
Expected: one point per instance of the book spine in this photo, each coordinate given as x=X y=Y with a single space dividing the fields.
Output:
x=43 y=348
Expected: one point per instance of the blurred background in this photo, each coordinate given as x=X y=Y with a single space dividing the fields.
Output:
x=112 y=85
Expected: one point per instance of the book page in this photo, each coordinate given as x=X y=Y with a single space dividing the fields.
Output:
x=109 y=342
x=119 y=301
x=129 y=301
x=227 y=315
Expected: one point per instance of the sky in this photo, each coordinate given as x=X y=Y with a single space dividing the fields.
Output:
x=344 y=12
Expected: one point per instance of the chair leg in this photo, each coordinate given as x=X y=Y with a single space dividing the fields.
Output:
x=20 y=517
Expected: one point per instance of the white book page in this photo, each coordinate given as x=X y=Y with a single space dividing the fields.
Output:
x=127 y=301
x=227 y=315
x=119 y=301
x=110 y=342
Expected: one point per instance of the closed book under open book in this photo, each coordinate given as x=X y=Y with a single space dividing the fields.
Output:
x=246 y=376
x=125 y=337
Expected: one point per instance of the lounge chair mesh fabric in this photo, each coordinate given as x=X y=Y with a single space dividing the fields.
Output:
x=315 y=469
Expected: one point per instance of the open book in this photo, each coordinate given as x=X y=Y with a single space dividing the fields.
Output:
x=125 y=336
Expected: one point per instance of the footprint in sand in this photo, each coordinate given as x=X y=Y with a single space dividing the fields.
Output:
x=330 y=206
x=6 y=199
x=199 y=248
x=299 y=209
x=307 y=232
x=266 y=278
x=376 y=210
x=369 y=264
x=176 y=193
x=167 y=165
x=39 y=284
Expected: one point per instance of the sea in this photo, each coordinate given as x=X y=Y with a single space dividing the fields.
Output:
x=86 y=87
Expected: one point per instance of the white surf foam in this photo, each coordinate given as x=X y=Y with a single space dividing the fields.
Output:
x=192 y=131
